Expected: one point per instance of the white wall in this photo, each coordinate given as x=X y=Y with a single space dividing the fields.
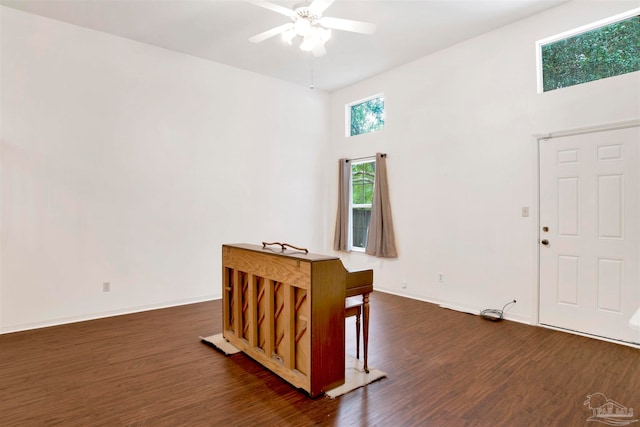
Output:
x=126 y=163
x=462 y=160
x=130 y=164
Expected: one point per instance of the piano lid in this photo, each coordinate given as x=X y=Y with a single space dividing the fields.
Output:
x=289 y=253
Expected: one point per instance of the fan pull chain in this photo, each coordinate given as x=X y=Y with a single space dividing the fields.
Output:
x=312 y=86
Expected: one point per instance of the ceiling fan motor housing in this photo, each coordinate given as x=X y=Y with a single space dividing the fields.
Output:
x=303 y=11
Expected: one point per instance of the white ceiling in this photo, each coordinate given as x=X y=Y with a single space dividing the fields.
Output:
x=218 y=30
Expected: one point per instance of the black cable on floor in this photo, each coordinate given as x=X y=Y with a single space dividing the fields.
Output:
x=494 y=314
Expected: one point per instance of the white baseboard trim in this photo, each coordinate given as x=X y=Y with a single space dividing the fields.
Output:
x=457 y=307
x=101 y=315
x=461 y=309
x=62 y=321
x=596 y=337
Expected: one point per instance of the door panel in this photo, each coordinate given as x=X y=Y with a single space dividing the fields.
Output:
x=590 y=256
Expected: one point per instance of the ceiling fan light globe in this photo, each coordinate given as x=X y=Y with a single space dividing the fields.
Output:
x=307 y=44
x=289 y=35
x=316 y=36
x=325 y=34
x=302 y=27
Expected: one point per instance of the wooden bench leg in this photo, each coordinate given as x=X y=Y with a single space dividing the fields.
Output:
x=358 y=333
x=365 y=329
x=357 y=311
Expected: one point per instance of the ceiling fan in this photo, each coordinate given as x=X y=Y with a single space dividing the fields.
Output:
x=308 y=23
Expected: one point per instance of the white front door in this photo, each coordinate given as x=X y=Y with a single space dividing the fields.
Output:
x=590 y=233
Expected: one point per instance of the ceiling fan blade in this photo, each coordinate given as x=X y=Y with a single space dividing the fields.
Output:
x=319 y=50
x=348 y=25
x=274 y=7
x=319 y=6
x=270 y=33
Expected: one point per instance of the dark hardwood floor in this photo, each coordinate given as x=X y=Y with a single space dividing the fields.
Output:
x=445 y=368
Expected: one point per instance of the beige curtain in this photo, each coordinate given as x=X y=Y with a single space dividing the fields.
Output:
x=341 y=237
x=381 y=240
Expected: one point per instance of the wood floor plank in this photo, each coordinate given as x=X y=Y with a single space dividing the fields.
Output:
x=444 y=368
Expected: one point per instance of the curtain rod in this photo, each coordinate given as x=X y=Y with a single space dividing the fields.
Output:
x=362 y=158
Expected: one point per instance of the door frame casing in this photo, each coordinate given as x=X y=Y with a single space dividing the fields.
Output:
x=541 y=138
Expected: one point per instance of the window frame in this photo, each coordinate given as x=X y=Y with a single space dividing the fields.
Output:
x=353 y=206
x=574 y=32
x=347 y=122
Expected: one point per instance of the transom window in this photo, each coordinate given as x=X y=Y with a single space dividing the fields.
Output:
x=365 y=116
x=363 y=174
x=604 y=49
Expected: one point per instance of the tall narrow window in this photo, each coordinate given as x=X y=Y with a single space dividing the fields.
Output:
x=605 y=49
x=363 y=219
x=366 y=116
x=362 y=183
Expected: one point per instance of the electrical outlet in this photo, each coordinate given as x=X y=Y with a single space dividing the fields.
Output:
x=404 y=285
x=106 y=287
x=525 y=211
x=441 y=277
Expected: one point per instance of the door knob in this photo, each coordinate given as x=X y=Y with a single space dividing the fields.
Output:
x=544 y=242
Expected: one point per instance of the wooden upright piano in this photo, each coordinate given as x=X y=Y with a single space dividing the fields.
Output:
x=286 y=308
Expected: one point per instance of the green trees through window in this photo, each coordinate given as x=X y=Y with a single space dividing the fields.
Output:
x=362 y=182
x=607 y=51
x=367 y=116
